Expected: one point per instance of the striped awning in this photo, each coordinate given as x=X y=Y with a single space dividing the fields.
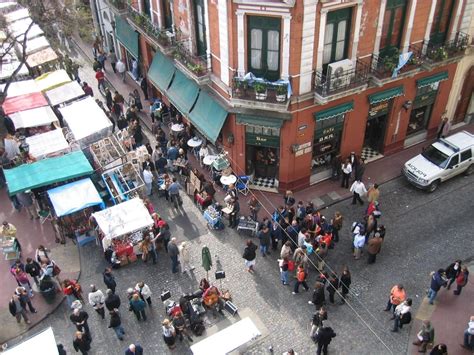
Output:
x=334 y=111
x=432 y=79
x=386 y=95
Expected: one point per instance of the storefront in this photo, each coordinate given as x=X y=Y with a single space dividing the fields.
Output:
x=128 y=40
x=327 y=139
x=426 y=92
x=380 y=105
x=262 y=149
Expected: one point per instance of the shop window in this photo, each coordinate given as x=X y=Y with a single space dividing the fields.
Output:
x=264 y=46
x=336 y=36
x=422 y=108
x=392 y=28
x=326 y=143
x=442 y=16
x=199 y=17
x=167 y=14
x=263 y=130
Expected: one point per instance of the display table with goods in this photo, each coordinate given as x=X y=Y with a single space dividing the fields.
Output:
x=247 y=224
x=107 y=153
x=121 y=227
x=10 y=248
x=123 y=182
x=213 y=217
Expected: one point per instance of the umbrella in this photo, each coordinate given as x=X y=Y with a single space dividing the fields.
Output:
x=206 y=260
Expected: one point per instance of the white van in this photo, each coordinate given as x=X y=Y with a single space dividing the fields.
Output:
x=442 y=160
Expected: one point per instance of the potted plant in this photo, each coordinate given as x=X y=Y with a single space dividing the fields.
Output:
x=441 y=54
x=281 y=93
x=239 y=87
x=260 y=90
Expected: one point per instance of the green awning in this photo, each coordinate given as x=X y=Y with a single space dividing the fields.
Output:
x=208 y=116
x=259 y=121
x=127 y=36
x=161 y=71
x=47 y=171
x=432 y=79
x=386 y=95
x=183 y=92
x=334 y=111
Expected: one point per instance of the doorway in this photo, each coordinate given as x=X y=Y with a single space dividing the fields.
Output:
x=375 y=134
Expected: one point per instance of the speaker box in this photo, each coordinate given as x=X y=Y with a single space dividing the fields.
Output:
x=165 y=295
x=220 y=275
x=231 y=308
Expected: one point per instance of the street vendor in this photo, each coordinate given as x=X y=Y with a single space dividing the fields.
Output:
x=8 y=230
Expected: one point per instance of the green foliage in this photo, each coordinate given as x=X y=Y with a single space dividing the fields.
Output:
x=260 y=87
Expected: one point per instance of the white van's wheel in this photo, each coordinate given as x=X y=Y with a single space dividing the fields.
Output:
x=469 y=170
x=433 y=186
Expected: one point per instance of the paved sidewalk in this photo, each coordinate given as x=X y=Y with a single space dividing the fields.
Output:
x=449 y=317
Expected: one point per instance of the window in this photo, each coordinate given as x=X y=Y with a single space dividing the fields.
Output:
x=201 y=44
x=454 y=161
x=167 y=15
x=442 y=15
x=146 y=8
x=466 y=155
x=336 y=35
x=392 y=28
x=264 y=47
x=266 y=131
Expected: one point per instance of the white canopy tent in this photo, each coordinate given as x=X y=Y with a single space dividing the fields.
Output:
x=52 y=80
x=36 y=44
x=42 y=57
x=126 y=217
x=36 y=117
x=41 y=344
x=17 y=15
x=46 y=144
x=86 y=121
x=23 y=87
x=64 y=93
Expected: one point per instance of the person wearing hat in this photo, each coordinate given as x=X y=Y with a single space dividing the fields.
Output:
x=373 y=248
x=169 y=334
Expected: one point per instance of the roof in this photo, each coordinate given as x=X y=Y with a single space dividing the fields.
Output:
x=461 y=140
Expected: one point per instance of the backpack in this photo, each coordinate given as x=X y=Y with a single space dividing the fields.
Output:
x=405 y=318
x=198 y=328
x=301 y=276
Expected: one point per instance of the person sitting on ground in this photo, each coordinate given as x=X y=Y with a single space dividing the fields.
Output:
x=212 y=299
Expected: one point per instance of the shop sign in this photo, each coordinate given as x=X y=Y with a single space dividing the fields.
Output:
x=261 y=140
x=328 y=134
x=426 y=99
x=379 y=108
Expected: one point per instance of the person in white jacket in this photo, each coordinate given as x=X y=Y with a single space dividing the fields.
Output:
x=469 y=335
x=358 y=189
x=184 y=257
x=359 y=241
x=144 y=292
x=97 y=300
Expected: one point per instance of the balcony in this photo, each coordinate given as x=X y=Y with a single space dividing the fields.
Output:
x=340 y=84
x=119 y=7
x=447 y=52
x=382 y=66
x=259 y=94
x=195 y=66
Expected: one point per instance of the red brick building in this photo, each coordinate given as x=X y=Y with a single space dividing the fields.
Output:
x=327 y=77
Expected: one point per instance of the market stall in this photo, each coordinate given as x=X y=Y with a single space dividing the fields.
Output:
x=122 y=226
x=64 y=93
x=47 y=171
x=37 y=117
x=17 y=15
x=24 y=102
x=35 y=44
x=123 y=182
x=86 y=121
x=47 y=144
x=51 y=80
x=41 y=343
x=45 y=57
x=107 y=153
x=23 y=87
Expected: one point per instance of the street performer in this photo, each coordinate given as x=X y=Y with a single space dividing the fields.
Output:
x=213 y=300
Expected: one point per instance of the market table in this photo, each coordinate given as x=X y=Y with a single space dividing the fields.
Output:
x=228 y=180
x=177 y=127
x=209 y=159
x=194 y=142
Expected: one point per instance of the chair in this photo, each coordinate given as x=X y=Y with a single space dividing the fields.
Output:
x=242 y=185
x=45 y=215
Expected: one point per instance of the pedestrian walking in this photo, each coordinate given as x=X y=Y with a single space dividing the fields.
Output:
x=300 y=280
x=134 y=349
x=397 y=296
x=234 y=213
x=346 y=168
x=250 y=255
x=332 y=286
x=96 y=300
x=169 y=334
x=26 y=200
x=373 y=193
x=22 y=293
x=438 y=280
x=179 y=324
x=358 y=189
x=116 y=323
x=336 y=223
x=33 y=269
x=300 y=257
x=109 y=279
x=81 y=343
x=286 y=251
x=284 y=275
x=319 y=297
x=144 y=87
x=444 y=128
x=137 y=305
x=79 y=318
x=61 y=350
x=374 y=247
x=96 y=64
x=264 y=238
x=336 y=163
x=440 y=349
x=453 y=271
x=173 y=252
x=17 y=309
x=144 y=292
x=321 y=254
x=87 y=89
x=113 y=60
x=402 y=315
x=461 y=280
x=345 y=282
x=425 y=336
x=289 y=199
x=254 y=207
x=184 y=257
x=469 y=335
x=120 y=66
x=41 y=254
x=324 y=337
x=21 y=278
x=359 y=241
x=317 y=322
x=112 y=300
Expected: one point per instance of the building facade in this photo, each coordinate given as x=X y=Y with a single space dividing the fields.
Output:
x=284 y=86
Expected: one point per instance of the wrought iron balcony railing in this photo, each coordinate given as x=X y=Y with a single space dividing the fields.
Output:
x=439 y=52
x=196 y=64
x=335 y=83
x=259 y=91
x=383 y=65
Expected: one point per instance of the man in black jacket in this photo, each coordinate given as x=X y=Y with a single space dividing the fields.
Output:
x=116 y=323
x=33 y=269
x=109 y=279
x=112 y=300
x=323 y=338
x=79 y=318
